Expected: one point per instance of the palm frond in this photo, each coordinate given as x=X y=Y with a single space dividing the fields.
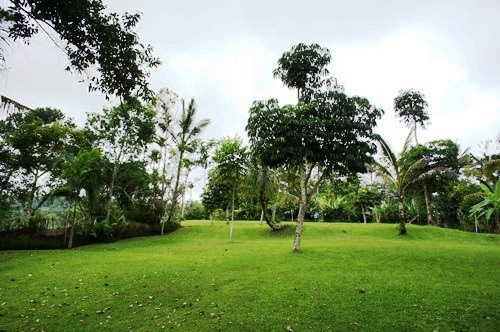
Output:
x=8 y=105
x=432 y=173
x=408 y=140
x=414 y=171
x=387 y=152
x=384 y=172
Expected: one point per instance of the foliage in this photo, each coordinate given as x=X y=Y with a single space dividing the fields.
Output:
x=333 y=132
x=34 y=144
x=122 y=133
x=216 y=194
x=368 y=197
x=304 y=67
x=231 y=164
x=86 y=171
x=490 y=206
x=402 y=174
x=410 y=107
x=93 y=40
x=186 y=139
x=441 y=173
x=326 y=131
x=195 y=211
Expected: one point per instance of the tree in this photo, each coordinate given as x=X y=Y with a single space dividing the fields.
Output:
x=304 y=68
x=231 y=159
x=34 y=144
x=441 y=155
x=326 y=131
x=185 y=137
x=389 y=168
x=410 y=107
x=368 y=197
x=403 y=175
x=216 y=194
x=263 y=182
x=122 y=133
x=92 y=39
x=84 y=171
x=489 y=206
x=165 y=103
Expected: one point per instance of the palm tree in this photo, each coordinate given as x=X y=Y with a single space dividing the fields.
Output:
x=410 y=106
x=264 y=182
x=391 y=170
x=83 y=172
x=185 y=141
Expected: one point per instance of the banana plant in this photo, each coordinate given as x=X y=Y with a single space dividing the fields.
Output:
x=490 y=205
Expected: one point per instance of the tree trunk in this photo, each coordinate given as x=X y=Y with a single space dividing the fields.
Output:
x=72 y=229
x=31 y=198
x=428 y=206
x=109 y=203
x=175 y=194
x=262 y=216
x=364 y=213
x=274 y=226
x=402 y=225
x=415 y=132
x=273 y=213
x=302 y=213
x=275 y=205
x=231 y=226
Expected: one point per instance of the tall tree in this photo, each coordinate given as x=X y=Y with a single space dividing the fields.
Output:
x=185 y=136
x=165 y=103
x=122 y=133
x=93 y=39
x=410 y=107
x=35 y=144
x=231 y=164
x=326 y=131
x=304 y=68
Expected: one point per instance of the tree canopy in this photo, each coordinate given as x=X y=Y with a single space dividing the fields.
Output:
x=410 y=107
x=93 y=39
x=325 y=131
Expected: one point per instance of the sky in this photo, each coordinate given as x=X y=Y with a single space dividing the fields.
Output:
x=222 y=54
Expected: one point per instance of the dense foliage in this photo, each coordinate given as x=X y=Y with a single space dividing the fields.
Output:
x=93 y=40
x=130 y=170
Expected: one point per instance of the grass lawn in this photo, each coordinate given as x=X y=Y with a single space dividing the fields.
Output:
x=348 y=277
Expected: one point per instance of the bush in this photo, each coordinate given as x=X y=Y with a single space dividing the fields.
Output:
x=195 y=211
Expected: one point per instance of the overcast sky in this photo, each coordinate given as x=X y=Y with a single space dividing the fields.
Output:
x=222 y=53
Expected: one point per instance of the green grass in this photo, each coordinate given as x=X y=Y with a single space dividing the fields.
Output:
x=348 y=277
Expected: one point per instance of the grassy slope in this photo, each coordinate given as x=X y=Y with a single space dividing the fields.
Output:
x=349 y=277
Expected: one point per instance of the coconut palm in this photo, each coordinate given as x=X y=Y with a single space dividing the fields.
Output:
x=400 y=178
x=184 y=136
